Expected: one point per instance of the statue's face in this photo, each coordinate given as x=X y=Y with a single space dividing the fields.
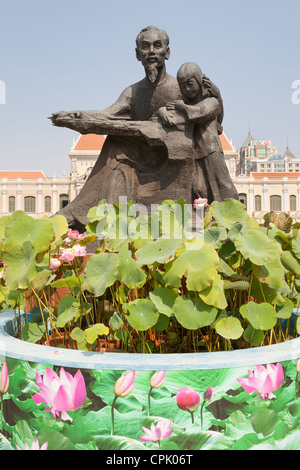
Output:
x=190 y=88
x=152 y=49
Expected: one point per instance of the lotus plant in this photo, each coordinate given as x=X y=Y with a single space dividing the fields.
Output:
x=4 y=384
x=188 y=400
x=264 y=380
x=122 y=388
x=63 y=392
x=156 y=381
x=207 y=398
x=158 y=433
x=34 y=446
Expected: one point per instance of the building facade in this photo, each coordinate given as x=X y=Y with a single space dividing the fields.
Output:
x=271 y=184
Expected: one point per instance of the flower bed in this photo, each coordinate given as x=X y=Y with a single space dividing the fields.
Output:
x=167 y=296
x=63 y=399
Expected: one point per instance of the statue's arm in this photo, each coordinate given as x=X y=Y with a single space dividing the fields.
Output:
x=205 y=111
x=86 y=122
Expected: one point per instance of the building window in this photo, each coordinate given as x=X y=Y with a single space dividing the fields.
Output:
x=275 y=203
x=29 y=204
x=63 y=201
x=258 y=203
x=293 y=203
x=47 y=204
x=11 y=204
x=243 y=198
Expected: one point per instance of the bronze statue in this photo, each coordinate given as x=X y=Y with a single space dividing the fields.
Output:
x=152 y=149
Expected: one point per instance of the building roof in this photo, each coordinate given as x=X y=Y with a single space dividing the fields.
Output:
x=23 y=174
x=248 y=140
x=289 y=153
x=89 y=142
x=226 y=145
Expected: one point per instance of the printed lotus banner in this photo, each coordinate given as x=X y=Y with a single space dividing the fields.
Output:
x=46 y=407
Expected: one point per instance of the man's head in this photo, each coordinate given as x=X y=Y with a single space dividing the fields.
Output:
x=152 y=49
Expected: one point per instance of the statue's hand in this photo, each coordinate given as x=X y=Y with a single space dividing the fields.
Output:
x=177 y=104
x=64 y=118
x=210 y=88
x=165 y=117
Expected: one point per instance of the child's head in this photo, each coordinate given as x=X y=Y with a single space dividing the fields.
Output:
x=189 y=78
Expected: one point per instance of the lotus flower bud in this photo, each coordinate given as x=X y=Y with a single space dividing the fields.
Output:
x=298 y=367
x=4 y=379
x=157 y=379
x=188 y=399
x=124 y=384
x=208 y=395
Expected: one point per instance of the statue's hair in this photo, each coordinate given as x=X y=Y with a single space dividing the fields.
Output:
x=155 y=28
x=188 y=70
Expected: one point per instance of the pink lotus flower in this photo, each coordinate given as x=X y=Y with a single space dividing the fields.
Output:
x=64 y=393
x=264 y=380
x=34 y=446
x=68 y=254
x=157 y=379
x=200 y=202
x=188 y=399
x=4 y=379
x=73 y=234
x=156 y=434
x=54 y=263
x=124 y=384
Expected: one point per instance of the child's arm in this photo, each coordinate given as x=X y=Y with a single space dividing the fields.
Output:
x=203 y=112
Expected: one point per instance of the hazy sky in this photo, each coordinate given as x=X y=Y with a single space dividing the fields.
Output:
x=69 y=54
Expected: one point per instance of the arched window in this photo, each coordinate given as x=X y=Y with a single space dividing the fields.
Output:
x=11 y=204
x=243 y=198
x=29 y=204
x=47 y=203
x=293 y=203
x=63 y=201
x=275 y=203
x=258 y=203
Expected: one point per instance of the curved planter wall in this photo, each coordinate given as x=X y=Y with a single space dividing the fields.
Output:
x=239 y=415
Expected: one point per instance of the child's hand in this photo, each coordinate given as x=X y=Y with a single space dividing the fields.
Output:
x=177 y=104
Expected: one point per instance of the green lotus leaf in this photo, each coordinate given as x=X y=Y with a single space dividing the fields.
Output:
x=254 y=337
x=20 y=266
x=157 y=251
x=256 y=246
x=60 y=227
x=68 y=310
x=199 y=266
x=163 y=299
x=193 y=316
x=24 y=228
x=236 y=285
x=129 y=271
x=4 y=221
x=290 y=262
x=215 y=236
x=101 y=272
x=142 y=314
x=261 y=316
x=91 y=334
x=214 y=294
x=229 y=328
x=271 y=273
x=296 y=247
x=32 y=332
x=228 y=212
x=285 y=309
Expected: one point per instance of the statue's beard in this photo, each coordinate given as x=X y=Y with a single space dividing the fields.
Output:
x=152 y=73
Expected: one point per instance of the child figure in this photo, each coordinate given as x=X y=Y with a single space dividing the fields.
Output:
x=202 y=105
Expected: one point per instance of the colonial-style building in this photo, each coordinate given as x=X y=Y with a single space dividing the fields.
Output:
x=271 y=182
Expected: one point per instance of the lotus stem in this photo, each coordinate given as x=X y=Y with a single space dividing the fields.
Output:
x=112 y=416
